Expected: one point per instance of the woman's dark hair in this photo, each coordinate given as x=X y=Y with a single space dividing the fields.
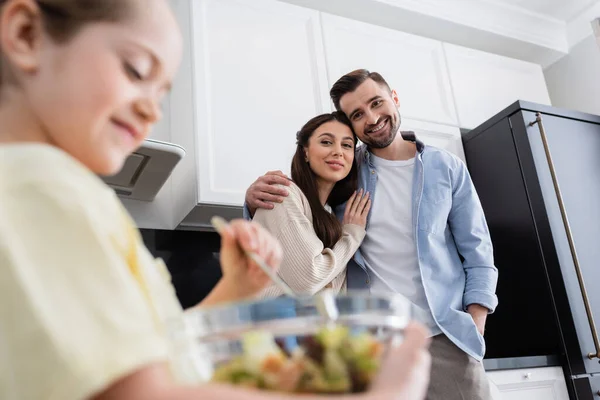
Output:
x=327 y=226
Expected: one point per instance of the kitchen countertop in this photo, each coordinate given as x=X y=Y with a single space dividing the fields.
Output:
x=497 y=364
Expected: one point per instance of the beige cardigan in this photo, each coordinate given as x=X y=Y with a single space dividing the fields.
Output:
x=307 y=266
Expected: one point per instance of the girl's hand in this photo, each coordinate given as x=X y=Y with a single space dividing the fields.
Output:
x=240 y=272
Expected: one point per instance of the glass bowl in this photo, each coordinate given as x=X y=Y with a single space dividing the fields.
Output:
x=321 y=344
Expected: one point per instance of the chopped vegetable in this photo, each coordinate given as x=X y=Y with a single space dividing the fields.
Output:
x=332 y=361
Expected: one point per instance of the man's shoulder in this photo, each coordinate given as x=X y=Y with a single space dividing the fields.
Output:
x=441 y=157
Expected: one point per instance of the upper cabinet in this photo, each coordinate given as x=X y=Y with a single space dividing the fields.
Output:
x=484 y=83
x=414 y=66
x=441 y=136
x=253 y=72
x=259 y=75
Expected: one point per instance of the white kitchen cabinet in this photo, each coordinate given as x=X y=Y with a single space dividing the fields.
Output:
x=258 y=75
x=174 y=200
x=546 y=383
x=483 y=83
x=254 y=71
x=441 y=136
x=412 y=65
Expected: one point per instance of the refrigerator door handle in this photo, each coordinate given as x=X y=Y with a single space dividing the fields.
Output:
x=538 y=121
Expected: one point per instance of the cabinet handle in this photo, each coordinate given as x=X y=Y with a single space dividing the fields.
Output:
x=563 y=213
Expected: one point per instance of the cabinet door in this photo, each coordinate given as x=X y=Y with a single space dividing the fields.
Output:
x=529 y=384
x=412 y=65
x=441 y=136
x=259 y=75
x=483 y=84
x=169 y=206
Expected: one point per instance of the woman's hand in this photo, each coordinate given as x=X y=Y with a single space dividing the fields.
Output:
x=357 y=209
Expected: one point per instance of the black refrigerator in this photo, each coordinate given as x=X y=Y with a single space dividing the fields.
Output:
x=537 y=172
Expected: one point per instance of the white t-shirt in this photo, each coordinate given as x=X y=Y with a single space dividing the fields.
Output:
x=389 y=247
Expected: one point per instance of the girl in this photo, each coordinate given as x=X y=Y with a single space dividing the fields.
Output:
x=316 y=245
x=83 y=305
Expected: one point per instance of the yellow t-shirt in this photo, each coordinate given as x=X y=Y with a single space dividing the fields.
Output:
x=82 y=301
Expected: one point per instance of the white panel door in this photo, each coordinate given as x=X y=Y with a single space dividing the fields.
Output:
x=484 y=84
x=259 y=75
x=412 y=65
x=529 y=384
x=441 y=136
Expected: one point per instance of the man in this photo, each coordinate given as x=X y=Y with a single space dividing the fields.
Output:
x=427 y=237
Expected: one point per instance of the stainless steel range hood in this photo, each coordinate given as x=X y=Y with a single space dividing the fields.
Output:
x=146 y=170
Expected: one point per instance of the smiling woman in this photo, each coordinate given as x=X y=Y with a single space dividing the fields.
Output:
x=316 y=245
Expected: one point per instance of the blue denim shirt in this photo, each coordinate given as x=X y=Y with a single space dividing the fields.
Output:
x=453 y=243
x=448 y=223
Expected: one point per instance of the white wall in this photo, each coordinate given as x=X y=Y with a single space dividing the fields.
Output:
x=574 y=81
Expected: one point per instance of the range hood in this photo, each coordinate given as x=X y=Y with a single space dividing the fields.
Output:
x=146 y=170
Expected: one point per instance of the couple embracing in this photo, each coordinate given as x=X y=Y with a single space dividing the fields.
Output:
x=391 y=215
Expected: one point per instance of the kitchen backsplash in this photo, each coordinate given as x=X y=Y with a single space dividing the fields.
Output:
x=192 y=259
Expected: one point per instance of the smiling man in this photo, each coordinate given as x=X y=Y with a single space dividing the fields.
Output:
x=426 y=235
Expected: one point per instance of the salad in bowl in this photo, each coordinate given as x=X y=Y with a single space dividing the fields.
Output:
x=294 y=344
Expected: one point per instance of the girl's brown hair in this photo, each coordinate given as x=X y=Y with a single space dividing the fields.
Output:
x=327 y=226
x=62 y=19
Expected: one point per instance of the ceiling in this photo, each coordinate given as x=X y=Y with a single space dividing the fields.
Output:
x=564 y=10
x=538 y=31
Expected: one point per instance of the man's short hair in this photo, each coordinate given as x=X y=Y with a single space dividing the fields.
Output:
x=349 y=82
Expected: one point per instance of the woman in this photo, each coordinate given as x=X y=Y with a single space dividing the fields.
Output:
x=316 y=246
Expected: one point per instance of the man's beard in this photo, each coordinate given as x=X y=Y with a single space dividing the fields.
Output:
x=383 y=142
